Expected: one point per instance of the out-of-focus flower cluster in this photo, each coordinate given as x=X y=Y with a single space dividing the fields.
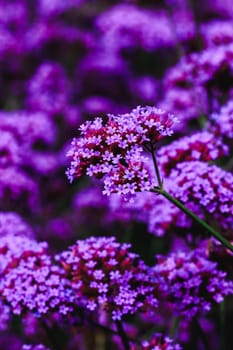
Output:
x=29 y=280
x=191 y=282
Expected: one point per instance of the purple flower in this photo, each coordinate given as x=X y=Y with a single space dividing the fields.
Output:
x=14 y=248
x=211 y=69
x=97 y=105
x=113 y=151
x=28 y=127
x=203 y=146
x=105 y=275
x=48 y=89
x=29 y=280
x=45 y=32
x=128 y=26
x=221 y=123
x=191 y=282
x=208 y=187
x=186 y=103
x=145 y=89
x=13 y=224
x=13 y=23
x=17 y=186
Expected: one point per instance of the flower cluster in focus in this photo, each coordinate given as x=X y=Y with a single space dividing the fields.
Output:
x=113 y=151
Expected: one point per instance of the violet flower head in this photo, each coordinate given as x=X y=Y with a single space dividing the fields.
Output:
x=13 y=224
x=187 y=104
x=29 y=127
x=191 y=282
x=128 y=26
x=42 y=163
x=48 y=89
x=221 y=124
x=30 y=281
x=105 y=275
x=157 y=342
x=211 y=68
x=203 y=146
x=113 y=151
x=145 y=89
x=17 y=186
x=209 y=187
x=14 y=248
x=13 y=24
x=23 y=135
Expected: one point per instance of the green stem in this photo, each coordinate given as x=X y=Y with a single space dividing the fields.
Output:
x=174 y=326
x=194 y=217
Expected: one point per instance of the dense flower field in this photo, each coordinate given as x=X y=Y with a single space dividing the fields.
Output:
x=116 y=186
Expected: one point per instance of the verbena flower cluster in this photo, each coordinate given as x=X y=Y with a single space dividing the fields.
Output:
x=106 y=275
x=113 y=150
x=202 y=146
x=29 y=280
x=13 y=224
x=222 y=122
x=191 y=282
x=142 y=28
x=206 y=186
